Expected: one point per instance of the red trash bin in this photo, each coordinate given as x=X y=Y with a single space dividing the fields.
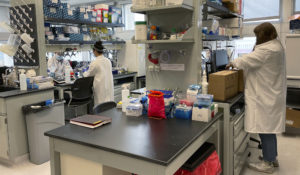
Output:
x=204 y=162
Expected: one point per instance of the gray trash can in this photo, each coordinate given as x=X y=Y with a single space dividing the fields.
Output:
x=39 y=121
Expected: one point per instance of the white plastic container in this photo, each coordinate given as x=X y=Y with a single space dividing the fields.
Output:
x=134 y=110
x=202 y=115
x=23 y=82
x=67 y=74
x=125 y=94
x=204 y=83
x=141 y=30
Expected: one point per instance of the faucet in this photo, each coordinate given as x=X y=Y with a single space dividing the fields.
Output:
x=5 y=76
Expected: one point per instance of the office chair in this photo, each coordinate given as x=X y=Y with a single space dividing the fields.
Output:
x=104 y=107
x=81 y=93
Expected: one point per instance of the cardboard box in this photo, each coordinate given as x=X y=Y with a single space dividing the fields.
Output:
x=241 y=81
x=223 y=85
x=293 y=118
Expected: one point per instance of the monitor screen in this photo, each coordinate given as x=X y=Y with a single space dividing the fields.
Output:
x=221 y=58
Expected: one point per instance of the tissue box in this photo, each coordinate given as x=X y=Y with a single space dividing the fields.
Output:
x=203 y=114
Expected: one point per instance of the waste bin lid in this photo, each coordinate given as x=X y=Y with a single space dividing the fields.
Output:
x=199 y=156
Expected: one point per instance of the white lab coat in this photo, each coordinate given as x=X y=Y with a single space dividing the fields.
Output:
x=101 y=69
x=265 y=88
x=57 y=67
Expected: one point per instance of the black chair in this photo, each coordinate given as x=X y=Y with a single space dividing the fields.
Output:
x=104 y=107
x=81 y=93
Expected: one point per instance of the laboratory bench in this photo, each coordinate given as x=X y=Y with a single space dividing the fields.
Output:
x=138 y=145
x=235 y=140
x=13 y=133
x=119 y=80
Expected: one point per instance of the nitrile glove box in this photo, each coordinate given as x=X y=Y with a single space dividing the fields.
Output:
x=52 y=3
x=203 y=114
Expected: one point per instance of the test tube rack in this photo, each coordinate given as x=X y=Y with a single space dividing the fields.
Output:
x=24 y=16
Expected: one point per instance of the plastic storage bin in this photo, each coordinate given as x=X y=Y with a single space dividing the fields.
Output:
x=183 y=112
x=40 y=120
x=141 y=30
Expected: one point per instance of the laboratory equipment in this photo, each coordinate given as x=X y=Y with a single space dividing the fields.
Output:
x=67 y=74
x=204 y=83
x=141 y=30
x=183 y=112
x=204 y=100
x=23 y=81
x=219 y=60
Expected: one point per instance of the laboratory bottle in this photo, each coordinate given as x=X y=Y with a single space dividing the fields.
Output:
x=204 y=83
x=23 y=81
x=125 y=95
x=67 y=74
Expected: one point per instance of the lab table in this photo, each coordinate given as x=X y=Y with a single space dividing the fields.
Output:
x=13 y=132
x=118 y=80
x=138 y=145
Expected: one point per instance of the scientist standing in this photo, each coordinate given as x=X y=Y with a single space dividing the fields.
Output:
x=57 y=65
x=101 y=70
x=265 y=93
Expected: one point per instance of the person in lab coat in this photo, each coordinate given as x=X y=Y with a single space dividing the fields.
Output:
x=101 y=70
x=265 y=93
x=57 y=64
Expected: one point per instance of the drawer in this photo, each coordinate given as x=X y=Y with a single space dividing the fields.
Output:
x=241 y=150
x=4 y=147
x=238 y=125
x=239 y=139
x=241 y=164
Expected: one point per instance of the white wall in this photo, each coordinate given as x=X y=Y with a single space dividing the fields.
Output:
x=282 y=26
x=4 y=18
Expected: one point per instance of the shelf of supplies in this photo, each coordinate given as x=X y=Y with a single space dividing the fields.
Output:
x=215 y=38
x=82 y=42
x=81 y=22
x=162 y=41
x=220 y=11
x=164 y=9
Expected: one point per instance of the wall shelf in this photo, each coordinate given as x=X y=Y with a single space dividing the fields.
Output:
x=81 y=22
x=219 y=10
x=215 y=38
x=164 y=9
x=82 y=42
x=162 y=41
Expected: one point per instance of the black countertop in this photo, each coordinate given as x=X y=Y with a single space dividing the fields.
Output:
x=18 y=92
x=125 y=75
x=157 y=141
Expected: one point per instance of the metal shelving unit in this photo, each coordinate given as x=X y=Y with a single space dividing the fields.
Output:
x=81 y=22
x=52 y=42
x=162 y=41
x=215 y=38
x=164 y=9
x=219 y=10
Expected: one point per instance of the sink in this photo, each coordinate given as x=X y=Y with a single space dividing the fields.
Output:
x=5 y=88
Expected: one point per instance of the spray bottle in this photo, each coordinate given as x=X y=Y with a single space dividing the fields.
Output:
x=204 y=83
x=125 y=94
x=23 y=82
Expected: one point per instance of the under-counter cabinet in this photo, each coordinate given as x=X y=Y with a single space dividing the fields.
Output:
x=13 y=133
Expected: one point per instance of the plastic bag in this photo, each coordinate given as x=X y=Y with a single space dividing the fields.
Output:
x=156 y=105
x=211 y=166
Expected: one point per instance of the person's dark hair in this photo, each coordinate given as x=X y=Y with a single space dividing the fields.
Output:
x=265 y=32
x=98 y=47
